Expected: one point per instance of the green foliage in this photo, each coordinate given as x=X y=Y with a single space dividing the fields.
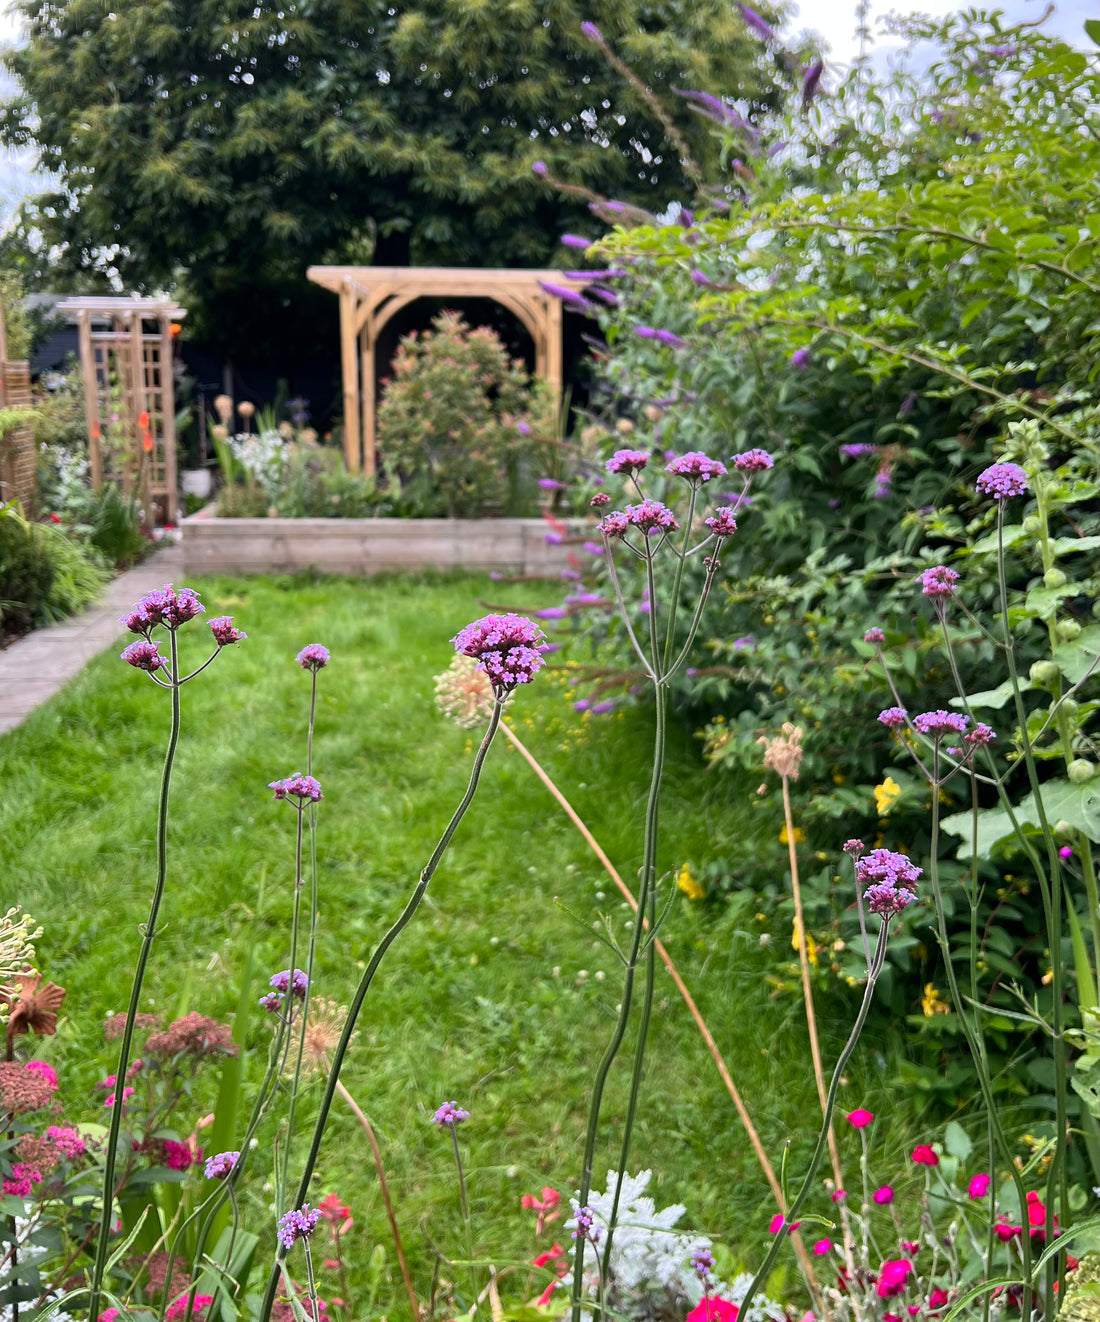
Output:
x=454 y=421
x=16 y=325
x=114 y=526
x=26 y=571
x=80 y=574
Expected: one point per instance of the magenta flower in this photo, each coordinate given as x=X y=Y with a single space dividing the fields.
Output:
x=875 y=636
x=645 y=332
x=313 y=657
x=1066 y=851
x=822 y=1247
x=892 y=1277
x=980 y=735
x=887 y=878
x=144 y=656
x=298 y=1224
x=539 y=168
x=450 y=1113
x=627 y=461
x=778 y=1222
x=894 y=718
x=649 y=517
x=925 y=1155
x=753 y=461
x=508 y=648
x=1002 y=481
x=599 y=499
x=673 y=341
x=696 y=467
x=297 y=787
x=127 y=1093
x=702 y=1264
x=883 y=1196
x=225 y=631
x=860 y=1119
x=940 y=724
x=839 y=1196
x=67 y=1141
x=271 y=1002
x=552 y=613
x=700 y=278
x=586 y=1227
x=165 y=606
x=939 y=581
x=978 y=1186
x=853 y=846
x=723 y=524
x=938 y=1298
x=219 y=1167
x=858 y=450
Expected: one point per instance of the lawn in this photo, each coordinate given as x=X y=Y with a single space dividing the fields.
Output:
x=494 y=996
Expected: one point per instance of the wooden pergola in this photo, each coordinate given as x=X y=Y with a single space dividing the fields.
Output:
x=370 y=295
x=129 y=403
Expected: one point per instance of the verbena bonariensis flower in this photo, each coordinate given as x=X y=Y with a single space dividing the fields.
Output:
x=586 y=1225
x=599 y=499
x=313 y=657
x=450 y=1113
x=980 y=735
x=165 y=606
x=723 y=524
x=508 y=648
x=939 y=581
x=1002 y=481
x=219 y=1167
x=887 y=877
x=225 y=631
x=702 y=1264
x=753 y=461
x=853 y=846
x=874 y=636
x=938 y=724
x=894 y=718
x=800 y=358
x=650 y=517
x=298 y=1224
x=696 y=467
x=282 y=983
x=271 y=1002
x=614 y=524
x=297 y=787
x=627 y=461
x=144 y=656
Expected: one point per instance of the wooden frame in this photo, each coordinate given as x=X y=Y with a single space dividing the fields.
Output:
x=117 y=349
x=370 y=295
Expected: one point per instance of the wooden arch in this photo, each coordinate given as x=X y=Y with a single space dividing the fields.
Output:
x=371 y=295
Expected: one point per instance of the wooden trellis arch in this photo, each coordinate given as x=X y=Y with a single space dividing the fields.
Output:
x=371 y=295
x=129 y=402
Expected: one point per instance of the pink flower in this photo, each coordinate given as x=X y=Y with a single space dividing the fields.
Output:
x=66 y=1141
x=1037 y=1216
x=44 y=1071
x=860 y=1118
x=979 y=1186
x=924 y=1155
x=839 y=1196
x=883 y=1196
x=910 y=1247
x=127 y=1093
x=713 y=1309
x=179 y=1308
x=892 y=1277
x=822 y=1247
x=937 y=1298
x=177 y=1156
x=1005 y=1231
x=778 y=1222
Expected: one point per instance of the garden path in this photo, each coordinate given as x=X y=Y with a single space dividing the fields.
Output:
x=34 y=668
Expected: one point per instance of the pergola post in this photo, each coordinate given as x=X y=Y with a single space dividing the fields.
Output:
x=350 y=370
x=91 y=397
x=168 y=417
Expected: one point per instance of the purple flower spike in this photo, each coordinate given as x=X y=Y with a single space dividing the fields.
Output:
x=702 y=1264
x=811 y=81
x=894 y=718
x=297 y=787
x=217 y=1168
x=672 y=340
x=1002 y=481
x=753 y=461
x=593 y=33
x=645 y=332
x=552 y=613
x=700 y=278
x=696 y=467
x=858 y=450
x=758 y=25
x=225 y=631
x=298 y=1224
x=602 y=708
x=723 y=524
x=283 y=983
x=508 y=648
x=450 y=1113
x=576 y=241
x=566 y=295
x=939 y=581
x=313 y=657
x=627 y=461
x=144 y=656
x=800 y=358
x=874 y=635
x=939 y=724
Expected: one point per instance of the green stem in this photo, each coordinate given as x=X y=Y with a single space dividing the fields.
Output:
x=295 y=924
x=364 y=986
x=103 y=1244
x=674 y=600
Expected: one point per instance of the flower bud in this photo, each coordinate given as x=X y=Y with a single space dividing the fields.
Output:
x=1044 y=674
x=1054 y=578
x=1062 y=827
x=1068 y=630
x=1080 y=770
x=1032 y=524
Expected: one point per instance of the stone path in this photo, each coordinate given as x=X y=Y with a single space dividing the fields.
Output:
x=35 y=667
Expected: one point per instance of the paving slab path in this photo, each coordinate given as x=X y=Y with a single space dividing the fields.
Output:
x=36 y=667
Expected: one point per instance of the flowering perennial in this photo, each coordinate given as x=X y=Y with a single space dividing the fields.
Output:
x=894 y=718
x=313 y=657
x=450 y=1113
x=165 y=606
x=282 y=982
x=220 y=1166
x=144 y=656
x=225 y=631
x=874 y=635
x=937 y=724
x=298 y=1224
x=298 y=787
x=723 y=524
x=627 y=461
x=887 y=877
x=753 y=461
x=939 y=581
x=508 y=648
x=1002 y=481
x=696 y=467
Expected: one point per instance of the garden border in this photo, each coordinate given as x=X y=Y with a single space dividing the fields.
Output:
x=369 y=546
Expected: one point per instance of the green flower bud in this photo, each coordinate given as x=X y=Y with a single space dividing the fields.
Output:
x=1054 y=578
x=1080 y=770
x=1032 y=524
x=1062 y=827
x=1068 y=707
x=1068 y=630
x=1044 y=674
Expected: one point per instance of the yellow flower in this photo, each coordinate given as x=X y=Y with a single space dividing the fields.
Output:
x=689 y=885
x=931 y=1003
x=811 y=944
x=784 y=838
x=886 y=794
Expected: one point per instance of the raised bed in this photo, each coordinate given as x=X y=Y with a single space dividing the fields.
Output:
x=370 y=546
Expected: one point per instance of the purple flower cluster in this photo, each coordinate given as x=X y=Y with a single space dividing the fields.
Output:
x=165 y=606
x=225 y=631
x=508 y=648
x=1002 y=481
x=702 y=1264
x=299 y=985
x=272 y=1002
x=144 y=656
x=566 y=294
x=723 y=524
x=599 y=499
x=800 y=358
x=887 y=878
x=874 y=635
x=884 y=482
x=939 y=581
x=297 y=787
x=668 y=337
x=939 y=724
x=696 y=467
x=313 y=657
x=758 y=25
x=894 y=718
x=753 y=461
x=649 y=517
x=298 y=1224
x=981 y=735
x=854 y=846
x=586 y=1225
x=219 y=1167
x=858 y=450
x=627 y=461
x=575 y=241
x=450 y=1113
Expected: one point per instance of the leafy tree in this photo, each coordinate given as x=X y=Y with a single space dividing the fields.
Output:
x=235 y=143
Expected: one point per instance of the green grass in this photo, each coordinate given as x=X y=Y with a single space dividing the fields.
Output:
x=494 y=996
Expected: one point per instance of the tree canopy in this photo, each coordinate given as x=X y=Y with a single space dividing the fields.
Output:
x=234 y=143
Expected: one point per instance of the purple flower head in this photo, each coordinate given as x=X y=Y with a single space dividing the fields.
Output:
x=297 y=787
x=939 y=581
x=225 y=631
x=700 y=278
x=894 y=718
x=811 y=81
x=571 y=575
x=883 y=1196
x=313 y=657
x=800 y=358
x=887 y=901
x=217 y=1168
x=758 y=25
x=282 y=983
x=552 y=538
x=163 y=606
x=874 y=635
x=723 y=524
x=614 y=524
x=627 y=461
x=600 y=499
x=602 y=708
x=144 y=656
x=524 y=428
x=668 y=337
x=450 y=1113
x=575 y=241
x=651 y=516
x=550 y=484
x=272 y=1002
x=593 y=548
x=858 y=450
x=1002 y=481
x=298 y=1224
x=586 y=1228
x=696 y=467
x=702 y=1264
x=887 y=878
x=508 y=648
x=539 y=168
x=552 y=613
x=981 y=735
x=854 y=846
x=593 y=33
x=1002 y=52
x=605 y=296
x=753 y=461
x=940 y=724
x=582 y=704
x=645 y=332
x=566 y=295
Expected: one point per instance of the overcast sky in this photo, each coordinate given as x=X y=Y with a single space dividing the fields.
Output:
x=835 y=20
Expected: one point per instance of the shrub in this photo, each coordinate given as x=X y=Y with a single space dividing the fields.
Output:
x=26 y=571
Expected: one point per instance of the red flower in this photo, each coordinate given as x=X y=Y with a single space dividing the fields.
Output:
x=1037 y=1216
x=892 y=1277
x=910 y=1246
x=778 y=1222
x=978 y=1187
x=925 y=1155
x=55 y=518
x=860 y=1118
x=332 y=1209
x=1005 y=1231
x=713 y=1309
x=937 y=1298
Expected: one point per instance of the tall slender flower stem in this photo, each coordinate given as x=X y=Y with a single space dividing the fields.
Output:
x=295 y=922
x=148 y=935
x=390 y=937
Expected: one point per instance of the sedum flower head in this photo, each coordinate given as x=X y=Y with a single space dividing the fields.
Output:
x=1002 y=481
x=508 y=648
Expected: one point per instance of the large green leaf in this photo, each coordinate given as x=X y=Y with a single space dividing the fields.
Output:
x=1077 y=658
x=1077 y=804
x=988 y=697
